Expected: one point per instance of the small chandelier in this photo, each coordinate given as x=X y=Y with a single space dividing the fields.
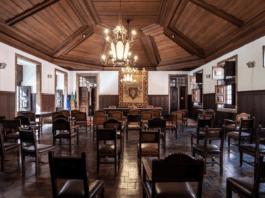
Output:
x=128 y=74
x=120 y=46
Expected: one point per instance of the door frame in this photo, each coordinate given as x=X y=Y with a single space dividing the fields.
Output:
x=186 y=89
x=38 y=80
x=78 y=83
x=65 y=85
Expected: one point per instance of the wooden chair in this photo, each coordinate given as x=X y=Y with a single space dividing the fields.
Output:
x=254 y=149
x=66 y=113
x=11 y=128
x=54 y=114
x=133 y=123
x=112 y=107
x=245 y=132
x=145 y=116
x=171 y=123
x=149 y=106
x=185 y=116
x=73 y=112
x=6 y=148
x=2 y=118
x=179 y=119
x=211 y=150
x=115 y=124
x=63 y=125
x=61 y=116
x=159 y=123
x=25 y=124
x=170 y=176
x=99 y=112
x=81 y=120
x=29 y=147
x=98 y=121
x=149 y=145
x=248 y=187
x=207 y=117
x=74 y=169
x=118 y=115
x=134 y=112
x=233 y=125
x=199 y=134
x=156 y=113
x=108 y=150
x=33 y=120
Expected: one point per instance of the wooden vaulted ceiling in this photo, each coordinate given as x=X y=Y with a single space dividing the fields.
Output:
x=171 y=34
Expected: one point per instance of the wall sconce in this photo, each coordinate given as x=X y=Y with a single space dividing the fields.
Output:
x=49 y=76
x=2 y=65
x=251 y=64
x=208 y=76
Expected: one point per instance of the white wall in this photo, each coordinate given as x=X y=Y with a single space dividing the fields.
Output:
x=7 y=75
x=249 y=79
x=29 y=75
x=60 y=81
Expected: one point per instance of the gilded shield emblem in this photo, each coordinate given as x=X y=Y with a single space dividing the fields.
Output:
x=133 y=92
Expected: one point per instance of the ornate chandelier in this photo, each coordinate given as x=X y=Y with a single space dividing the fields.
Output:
x=128 y=74
x=120 y=45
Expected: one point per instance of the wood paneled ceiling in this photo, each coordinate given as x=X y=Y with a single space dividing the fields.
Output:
x=171 y=34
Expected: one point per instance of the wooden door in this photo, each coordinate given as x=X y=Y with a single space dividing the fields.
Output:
x=83 y=99
x=182 y=97
x=24 y=98
x=59 y=98
x=174 y=99
x=94 y=100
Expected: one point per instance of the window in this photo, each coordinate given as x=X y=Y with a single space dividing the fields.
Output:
x=229 y=94
x=176 y=81
x=87 y=81
x=198 y=89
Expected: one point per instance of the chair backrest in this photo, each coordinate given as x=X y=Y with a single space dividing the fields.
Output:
x=178 y=114
x=60 y=124
x=259 y=176
x=61 y=117
x=107 y=134
x=54 y=114
x=186 y=112
x=208 y=111
x=178 y=167
x=68 y=168
x=80 y=116
x=149 y=137
x=157 y=123
x=27 y=137
x=133 y=118
x=212 y=134
x=247 y=125
x=99 y=112
x=31 y=115
x=12 y=124
x=170 y=118
x=100 y=119
x=202 y=123
x=65 y=113
x=118 y=115
x=25 y=121
x=156 y=113
x=73 y=112
x=239 y=116
x=260 y=137
x=149 y=106
x=112 y=124
x=134 y=112
x=210 y=116
x=2 y=149
x=146 y=115
x=112 y=107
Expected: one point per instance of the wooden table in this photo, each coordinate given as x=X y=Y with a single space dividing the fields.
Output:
x=126 y=110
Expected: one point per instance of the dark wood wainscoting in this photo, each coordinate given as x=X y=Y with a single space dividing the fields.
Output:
x=108 y=100
x=48 y=102
x=159 y=101
x=7 y=104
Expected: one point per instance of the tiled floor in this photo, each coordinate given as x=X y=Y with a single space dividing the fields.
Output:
x=128 y=181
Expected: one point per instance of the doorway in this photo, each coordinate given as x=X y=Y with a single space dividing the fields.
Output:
x=61 y=89
x=178 y=92
x=27 y=85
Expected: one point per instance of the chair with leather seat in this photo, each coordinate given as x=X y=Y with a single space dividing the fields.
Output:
x=145 y=116
x=62 y=125
x=148 y=146
x=213 y=151
x=55 y=114
x=112 y=124
x=33 y=120
x=171 y=123
x=81 y=120
x=118 y=115
x=99 y=112
x=25 y=124
x=74 y=169
x=179 y=119
x=133 y=123
x=253 y=149
x=134 y=112
x=156 y=113
x=6 y=148
x=159 y=123
x=11 y=128
x=61 y=116
x=110 y=150
x=98 y=121
x=248 y=187
x=73 y=112
x=245 y=132
x=29 y=147
x=185 y=116
x=170 y=177
x=66 y=113
x=200 y=132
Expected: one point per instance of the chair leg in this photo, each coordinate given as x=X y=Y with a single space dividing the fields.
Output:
x=2 y=162
x=23 y=163
x=191 y=139
x=98 y=159
x=86 y=128
x=228 y=191
x=198 y=140
x=18 y=155
x=193 y=153
x=176 y=133
x=102 y=193
x=126 y=134
x=70 y=145
x=241 y=157
x=37 y=165
x=115 y=165
x=213 y=161
x=229 y=143
x=204 y=165
x=221 y=164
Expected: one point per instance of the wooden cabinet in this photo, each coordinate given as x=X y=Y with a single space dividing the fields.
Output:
x=220 y=94
x=196 y=95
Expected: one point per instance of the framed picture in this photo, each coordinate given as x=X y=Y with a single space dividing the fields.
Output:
x=220 y=94
x=25 y=104
x=192 y=80
x=58 y=103
x=218 y=73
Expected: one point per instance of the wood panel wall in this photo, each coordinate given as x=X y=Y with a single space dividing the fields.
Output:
x=48 y=103
x=159 y=101
x=7 y=104
x=108 y=100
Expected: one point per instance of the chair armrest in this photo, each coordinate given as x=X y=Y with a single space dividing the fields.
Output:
x=147 y=169
x=227 y=120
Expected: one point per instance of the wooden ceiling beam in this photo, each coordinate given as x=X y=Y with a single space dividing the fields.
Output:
x=183 y=42
x=218 y=12
x=138 y=67
x=76 y=65
x=183 y=65
x=179 y=10
x=91 y=12
x=148 y=49
x=29 y=12
x=74 y=40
